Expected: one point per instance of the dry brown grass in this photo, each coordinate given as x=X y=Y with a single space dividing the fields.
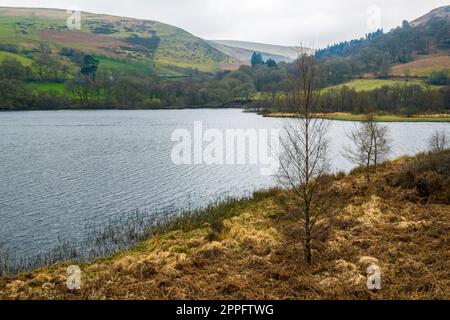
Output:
x=257 y=255
x=423 y=66
x=80 y=38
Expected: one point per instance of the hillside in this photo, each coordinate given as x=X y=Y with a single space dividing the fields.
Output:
x=442 y=12
x=250 y=249
x=243 y=56
x=422 y=66
x=415 y=49
x=169 y=49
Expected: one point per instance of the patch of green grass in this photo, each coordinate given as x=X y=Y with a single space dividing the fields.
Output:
x=181 y=49
x=47 y=86
x=203 y=66
x=372 y=84
x=262 y=96
x=23 y=60
x=6 y=28
x=126 y=66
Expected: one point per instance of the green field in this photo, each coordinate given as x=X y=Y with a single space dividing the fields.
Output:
x=128 y=66
x=6 y=28
x=372 y=84
x=47 y=86
x=23 y=60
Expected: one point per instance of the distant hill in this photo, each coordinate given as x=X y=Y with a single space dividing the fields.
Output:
x=169 y=49
x=242 y=50
x=243 y=56
x=442 y=12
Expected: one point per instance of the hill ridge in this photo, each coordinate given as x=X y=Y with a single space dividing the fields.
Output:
x=175 y=51
x=440 y=12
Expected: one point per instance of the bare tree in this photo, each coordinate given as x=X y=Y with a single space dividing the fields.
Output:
x=439 y=141
x=369 y=144
x=381 y=144
x=303 y=148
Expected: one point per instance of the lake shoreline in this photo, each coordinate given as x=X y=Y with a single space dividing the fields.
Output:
x=119 y=109
x=245 y=249
x=337 y=116
x=341 y=116
x=111 y=160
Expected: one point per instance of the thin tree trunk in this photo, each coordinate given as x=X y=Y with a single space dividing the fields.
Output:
x=308 y=238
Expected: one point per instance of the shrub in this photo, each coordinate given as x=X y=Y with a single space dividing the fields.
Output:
x=440 y=78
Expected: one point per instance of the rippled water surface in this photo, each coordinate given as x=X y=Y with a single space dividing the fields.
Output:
x=61 y=170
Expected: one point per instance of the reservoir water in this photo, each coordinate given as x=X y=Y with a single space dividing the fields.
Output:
x=63 y=170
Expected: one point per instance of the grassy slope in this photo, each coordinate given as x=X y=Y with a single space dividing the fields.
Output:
x=441 y=12
x=24 y=60
x=177 y=50
x=130 y=66
x=255 y=253
x=372 y=84
x=47 y=86
x=423 y=66
x=181 y=49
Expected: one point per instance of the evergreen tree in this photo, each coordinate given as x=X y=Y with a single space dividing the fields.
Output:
x=271 y=63
x=257 y=59
x=89 y=66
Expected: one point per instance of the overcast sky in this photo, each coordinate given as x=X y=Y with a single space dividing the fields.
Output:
x=287 y=22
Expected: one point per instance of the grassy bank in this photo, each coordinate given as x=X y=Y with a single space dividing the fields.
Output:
x=372 y=84
x=343 y=116
x=250 y=249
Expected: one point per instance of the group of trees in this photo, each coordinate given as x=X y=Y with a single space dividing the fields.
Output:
x=378 y=50
x=368 y=145
x=438 y=141
x=258 y=60
x=92 y=85
x=48 y=68
x=440 y=78
x=405 y=99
